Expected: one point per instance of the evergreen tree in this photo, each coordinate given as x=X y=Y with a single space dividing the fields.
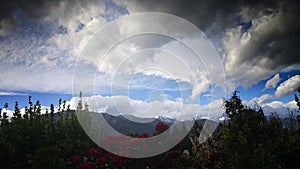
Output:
x=17 y=113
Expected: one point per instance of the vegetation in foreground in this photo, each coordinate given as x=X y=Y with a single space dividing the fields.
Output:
x=247 y=139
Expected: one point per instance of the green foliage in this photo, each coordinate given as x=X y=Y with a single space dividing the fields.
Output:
x=37 y=140
x=247 y=139
x=251 y=141
x=233 y=105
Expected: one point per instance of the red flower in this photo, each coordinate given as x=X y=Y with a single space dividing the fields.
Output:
x=160 y=128
x=92 y=152
x=86 y=165
x=117 y=161
x=101 y=161
x=144 y=135
x=76 y=159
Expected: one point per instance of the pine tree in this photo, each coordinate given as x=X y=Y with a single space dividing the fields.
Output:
x=4 y=120
x=233 y=105
x=17 y=113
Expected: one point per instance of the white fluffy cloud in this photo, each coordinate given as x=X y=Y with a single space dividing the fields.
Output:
x=289 y=86
x=272 y=83
x=279 y=107
x=261 y=100
x=269 y=105
x=117 y=105
x=10 y=113
x=155 y=54
x=82 y=20
x=73 y=15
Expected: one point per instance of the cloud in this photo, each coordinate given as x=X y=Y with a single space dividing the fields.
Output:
x=272 y=83
x=40 y=55
x=262 y=100
x=264 y=48
x=6 y=27
x=257 y=38
x=30 y=63
x=287 y=87
x=69 y=13
x=77 y=20
x=11 y=94
x=269 y=105
x=212 y=17
x=23 y=78
x=10 y=113
x=81 y=20
x=279 y=107
x=118 y=55
x=117 y=105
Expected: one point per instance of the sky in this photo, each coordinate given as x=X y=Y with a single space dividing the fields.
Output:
x=179 y=61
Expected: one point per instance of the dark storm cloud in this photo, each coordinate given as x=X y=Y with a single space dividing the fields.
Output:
x=268 y=46
x=211 y=16
x=214 y=15
x=258 y=38
x=33 y=8
x=38 y=9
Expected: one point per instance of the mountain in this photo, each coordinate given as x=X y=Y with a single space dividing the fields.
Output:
x=131 y=124
x=125 y=126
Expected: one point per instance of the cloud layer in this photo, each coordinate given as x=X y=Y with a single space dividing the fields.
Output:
x=289 y=86
x=272 y=83
x=256 y=39
x=122 y=105
x=42 y=40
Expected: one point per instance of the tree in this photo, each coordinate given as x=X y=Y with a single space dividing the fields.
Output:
x=233 y=105
x=17 y=113
x=4 y=118
x=245 y=143
x=297 y=101
x=79 y=104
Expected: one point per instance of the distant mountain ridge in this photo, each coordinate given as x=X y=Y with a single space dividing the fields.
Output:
x=126 y=124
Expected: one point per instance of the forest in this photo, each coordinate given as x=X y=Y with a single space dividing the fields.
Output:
x=246 y=139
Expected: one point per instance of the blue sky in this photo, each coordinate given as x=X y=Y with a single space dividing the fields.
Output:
x=48 y=52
